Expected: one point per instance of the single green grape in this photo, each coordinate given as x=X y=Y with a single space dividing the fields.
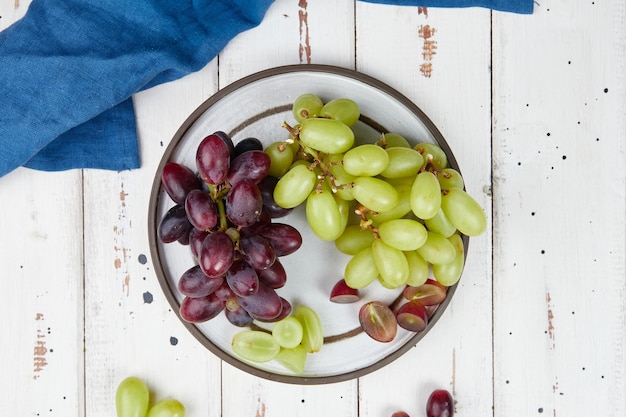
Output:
x=437 y=249
x=450 y=273
x=464 y=212
x=295 y=186
x=393 y=140
x=312 y=331
x=168 y=407
x=441 y=224
x=403 y=162
x=434 y=154
x=323 y=215
x=255 y=345
x=293 y=359
x=400 y=210
x=344 y=110
x=391 y=264
x=403 y=234
x=339 y=180
x=361 y=269
x=418 y=269
x=132 y=398
x=281 y=158
x=326 y=135
x=365 y=160
x=375 y=194
x=354 y=239
x=288 y=332
x=425 y=195
x=450 y=178
x=344 y=211
x=306 y=106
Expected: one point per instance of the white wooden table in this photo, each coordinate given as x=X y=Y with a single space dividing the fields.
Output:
x=534 y=108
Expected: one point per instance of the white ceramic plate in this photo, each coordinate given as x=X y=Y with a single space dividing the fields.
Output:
x=257 y=106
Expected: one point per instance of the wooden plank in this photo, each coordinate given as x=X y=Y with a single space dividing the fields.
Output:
x=559 y=181
x=130 y=328
x=440 y=60
x=41 y=258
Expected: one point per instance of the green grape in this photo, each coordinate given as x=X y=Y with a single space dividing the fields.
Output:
x=281 y=158
x=464 y=212
x=437 y=249
x=312 y=331
x=425 y=195
x=361 y=269
x=403 y=162
x=418 y=269
x=391 y=264
x=342 y=109
x=305 y=106
x=400 y=210
x=132 y=398
x=344 y=211
x=393 y=140
x=449 y=274
x=341 y=180
x=323 y=216
x=450 y=178
x=288 y=332
x=255 y=345
x=326 y=135
x=293 y=359
x=375 y=194
x=365 y=160
x=441 y=224
x=354 y=239
x=432 y=153
x=167 y=408
x=295 y=186
x=403 y=234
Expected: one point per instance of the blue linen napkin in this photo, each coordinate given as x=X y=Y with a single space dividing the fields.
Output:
x=68 y=70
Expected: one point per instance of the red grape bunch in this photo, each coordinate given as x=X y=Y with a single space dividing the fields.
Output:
x=224 y=213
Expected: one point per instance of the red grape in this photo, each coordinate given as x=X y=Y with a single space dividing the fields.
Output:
x=200 y=309
x=196 y=237
x=265 y=304
x=174 y=225
x=242 y=278
x=216 y=254
x=275 y=276
x=440 y=404
x=178 y=180
x=412 y=316
x=246 y=145
x=266 y=186
x=236 y=314
x=244 y=203
x=400 y=414
x=378 y=321
x=252 y=165
x=257 y=251
x=194 y=283
x=285 y=239
x=213 y=159
x=201 y=210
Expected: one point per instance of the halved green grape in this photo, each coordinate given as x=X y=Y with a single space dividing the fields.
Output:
x=167 y=408
x=305 y=106
x=391 y=264
x=293 y=359
x=464 y=212
x=450 y=178
x=449 y=274
x=418 y=269
x=437 y=249
x=313 y=333
x=361 y=269
x=400 y=210
x=326 y=135
x=393 y=140
x=403 y=162
x=288 y=332
x=281 y=158
x=441 y=224
x=339 y=180
x=375 y=194
x=295 y=186
x=255 y=345
x=354 y=239
x=323 y=216
x=365 y=160
x=344 y=110
x=433 y=153
x=132 y=398
x=403 y=234
x=425 y=195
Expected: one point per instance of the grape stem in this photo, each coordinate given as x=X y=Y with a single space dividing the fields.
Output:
x=217 y=194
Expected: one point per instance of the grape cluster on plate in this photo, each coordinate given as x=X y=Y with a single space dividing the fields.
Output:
x=398 y=210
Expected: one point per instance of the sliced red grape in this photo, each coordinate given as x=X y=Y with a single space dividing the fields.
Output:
x=275 y=276
x=201 y=309
x=178 y=180
x=285 y=239
x=257 y=251
x=244 y=204
x=440 y=404
x=378 y=321
x=400 y=414
x=174 y=225
x=201 y=210
x=194 y=283
x=412 y=316
x=266 y=304
x=343 y=294
x=242 y=278
x=253 y=165
x=216 y=254
x=430 y=293
x=213 y=159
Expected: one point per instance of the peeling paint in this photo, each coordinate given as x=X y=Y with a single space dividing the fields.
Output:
x=305 y=46
x=429 y=49
x=550 y=318
x=40 y=350
x=260 y=412
x=423 y=10
x=453 y=381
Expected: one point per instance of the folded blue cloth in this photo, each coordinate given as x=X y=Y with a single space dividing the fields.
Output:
x=68 y=70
